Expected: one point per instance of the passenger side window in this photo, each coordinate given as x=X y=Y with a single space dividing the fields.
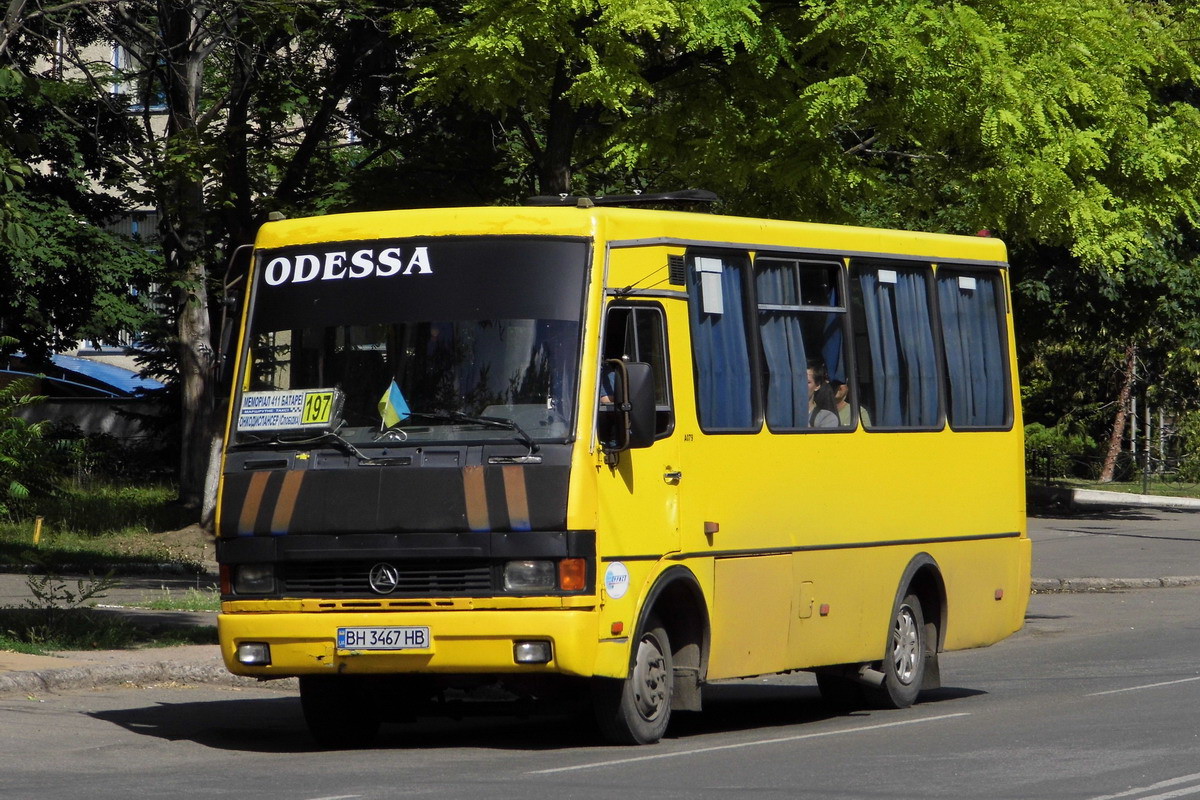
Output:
x=720 y=344
x=801 y=322
x=971 y=306
x=895 y=351
x=638 y=333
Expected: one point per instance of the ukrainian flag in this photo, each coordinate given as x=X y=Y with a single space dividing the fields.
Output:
x=392 y=406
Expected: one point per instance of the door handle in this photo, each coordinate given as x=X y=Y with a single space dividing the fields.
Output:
x=673 y=476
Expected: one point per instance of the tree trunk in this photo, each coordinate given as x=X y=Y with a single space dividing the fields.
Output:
x=184 y=242
x=1122 y=416
x=554 y=171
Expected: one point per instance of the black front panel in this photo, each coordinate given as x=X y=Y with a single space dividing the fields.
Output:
x=443 y=489
x=426 y=564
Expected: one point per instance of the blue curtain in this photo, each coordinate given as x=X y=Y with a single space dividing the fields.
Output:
x=903 y=356
x=721 y=353
x=831 y=350
x=916 y=343
x=974 y=351
x=878 y=309
x=783 y=349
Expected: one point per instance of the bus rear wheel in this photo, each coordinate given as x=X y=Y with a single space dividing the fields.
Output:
x=636 y=710
x=339 y=710
x=904 y=664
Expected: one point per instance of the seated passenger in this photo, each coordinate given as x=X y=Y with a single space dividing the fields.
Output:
x=841 y=393
x=822 y=405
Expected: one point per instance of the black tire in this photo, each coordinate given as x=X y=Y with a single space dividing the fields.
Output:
x=340 y=710
x=903 y=665
x=637 y=710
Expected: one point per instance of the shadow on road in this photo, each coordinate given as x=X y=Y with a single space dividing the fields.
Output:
x=276 y=725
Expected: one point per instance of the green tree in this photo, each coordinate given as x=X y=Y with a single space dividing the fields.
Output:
x=230 y=109
x=69 y=280
x=561 y=80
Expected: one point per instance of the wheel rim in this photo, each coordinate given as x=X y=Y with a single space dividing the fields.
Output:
x=650 y=678
x=906 y=645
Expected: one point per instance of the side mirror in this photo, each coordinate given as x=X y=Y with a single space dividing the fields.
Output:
x=632 y=391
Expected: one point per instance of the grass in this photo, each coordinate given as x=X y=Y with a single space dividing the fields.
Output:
x=191 y=600
x=100 y=527
x=30 y=630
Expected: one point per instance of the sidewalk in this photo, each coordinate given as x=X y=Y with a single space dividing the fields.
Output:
x=31 y=675
x=1104 y=542
x=1089 y=540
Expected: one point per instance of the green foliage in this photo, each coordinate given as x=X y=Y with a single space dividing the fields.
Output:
x=26 y=472
x=59 y=616
x=192 y=599
x=566 y=77
x=1045 y=122
x=1186 y=461
x=69 y=281
x=1056 y=452
x=99 y=508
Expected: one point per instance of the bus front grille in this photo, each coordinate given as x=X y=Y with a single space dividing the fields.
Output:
x=353 y=578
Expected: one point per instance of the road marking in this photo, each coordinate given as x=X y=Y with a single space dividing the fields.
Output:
x=1146 y=686
x=717 y=748
x=338 y=797
x=1155 y=786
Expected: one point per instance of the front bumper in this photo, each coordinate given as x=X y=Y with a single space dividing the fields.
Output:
x=462 y=642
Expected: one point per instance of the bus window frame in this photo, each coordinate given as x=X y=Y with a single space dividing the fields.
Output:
x=928 y=270
x=1001 y=276
x=669 y=387
x=753 y=344
x=799 y=259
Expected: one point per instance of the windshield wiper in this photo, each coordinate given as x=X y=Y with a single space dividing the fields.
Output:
x=324 y=437
x=492 y=422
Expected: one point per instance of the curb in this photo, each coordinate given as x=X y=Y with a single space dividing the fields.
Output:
x=1083 y=585
x=1043 y=496
x=98 y=676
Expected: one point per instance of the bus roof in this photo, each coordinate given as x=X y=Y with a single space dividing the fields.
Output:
x=629 y=227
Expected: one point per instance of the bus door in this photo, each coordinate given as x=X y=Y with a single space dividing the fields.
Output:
x=639 y=487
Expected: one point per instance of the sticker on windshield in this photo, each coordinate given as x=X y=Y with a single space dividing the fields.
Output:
x=616 y=580
x=289 y=410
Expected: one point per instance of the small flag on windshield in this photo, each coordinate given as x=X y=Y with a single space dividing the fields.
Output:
x=392 y=406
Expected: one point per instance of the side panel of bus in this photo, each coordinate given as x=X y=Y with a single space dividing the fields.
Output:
x=801 y=539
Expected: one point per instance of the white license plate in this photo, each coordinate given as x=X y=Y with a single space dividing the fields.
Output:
x=410 y=637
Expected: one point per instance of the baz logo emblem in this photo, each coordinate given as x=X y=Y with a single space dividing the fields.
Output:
x=384 y=578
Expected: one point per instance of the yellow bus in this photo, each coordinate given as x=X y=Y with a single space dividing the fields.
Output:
x=580 y=450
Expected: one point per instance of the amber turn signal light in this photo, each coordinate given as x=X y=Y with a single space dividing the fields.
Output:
x=572 y=574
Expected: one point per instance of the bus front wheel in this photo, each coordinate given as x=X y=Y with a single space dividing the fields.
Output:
x=636 y=710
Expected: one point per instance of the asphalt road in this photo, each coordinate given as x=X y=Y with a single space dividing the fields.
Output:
x=1095 y=698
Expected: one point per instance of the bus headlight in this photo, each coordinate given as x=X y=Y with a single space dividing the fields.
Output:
x=254 y=579
x=529 y=576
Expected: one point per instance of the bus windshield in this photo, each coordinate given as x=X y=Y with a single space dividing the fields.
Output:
x=462 y=340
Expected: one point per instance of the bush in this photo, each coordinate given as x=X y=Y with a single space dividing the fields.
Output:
x=1055 y=452
x=26 y=467
x=1187 y=447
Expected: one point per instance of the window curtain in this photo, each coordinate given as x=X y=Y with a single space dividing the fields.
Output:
x=832 y=350
x=721 y=353
x=783 y=349
x=916 y=344
x=974 y=352
x=903 y=357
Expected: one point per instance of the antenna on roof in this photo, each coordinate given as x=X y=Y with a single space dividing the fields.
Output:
x=684 y=197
